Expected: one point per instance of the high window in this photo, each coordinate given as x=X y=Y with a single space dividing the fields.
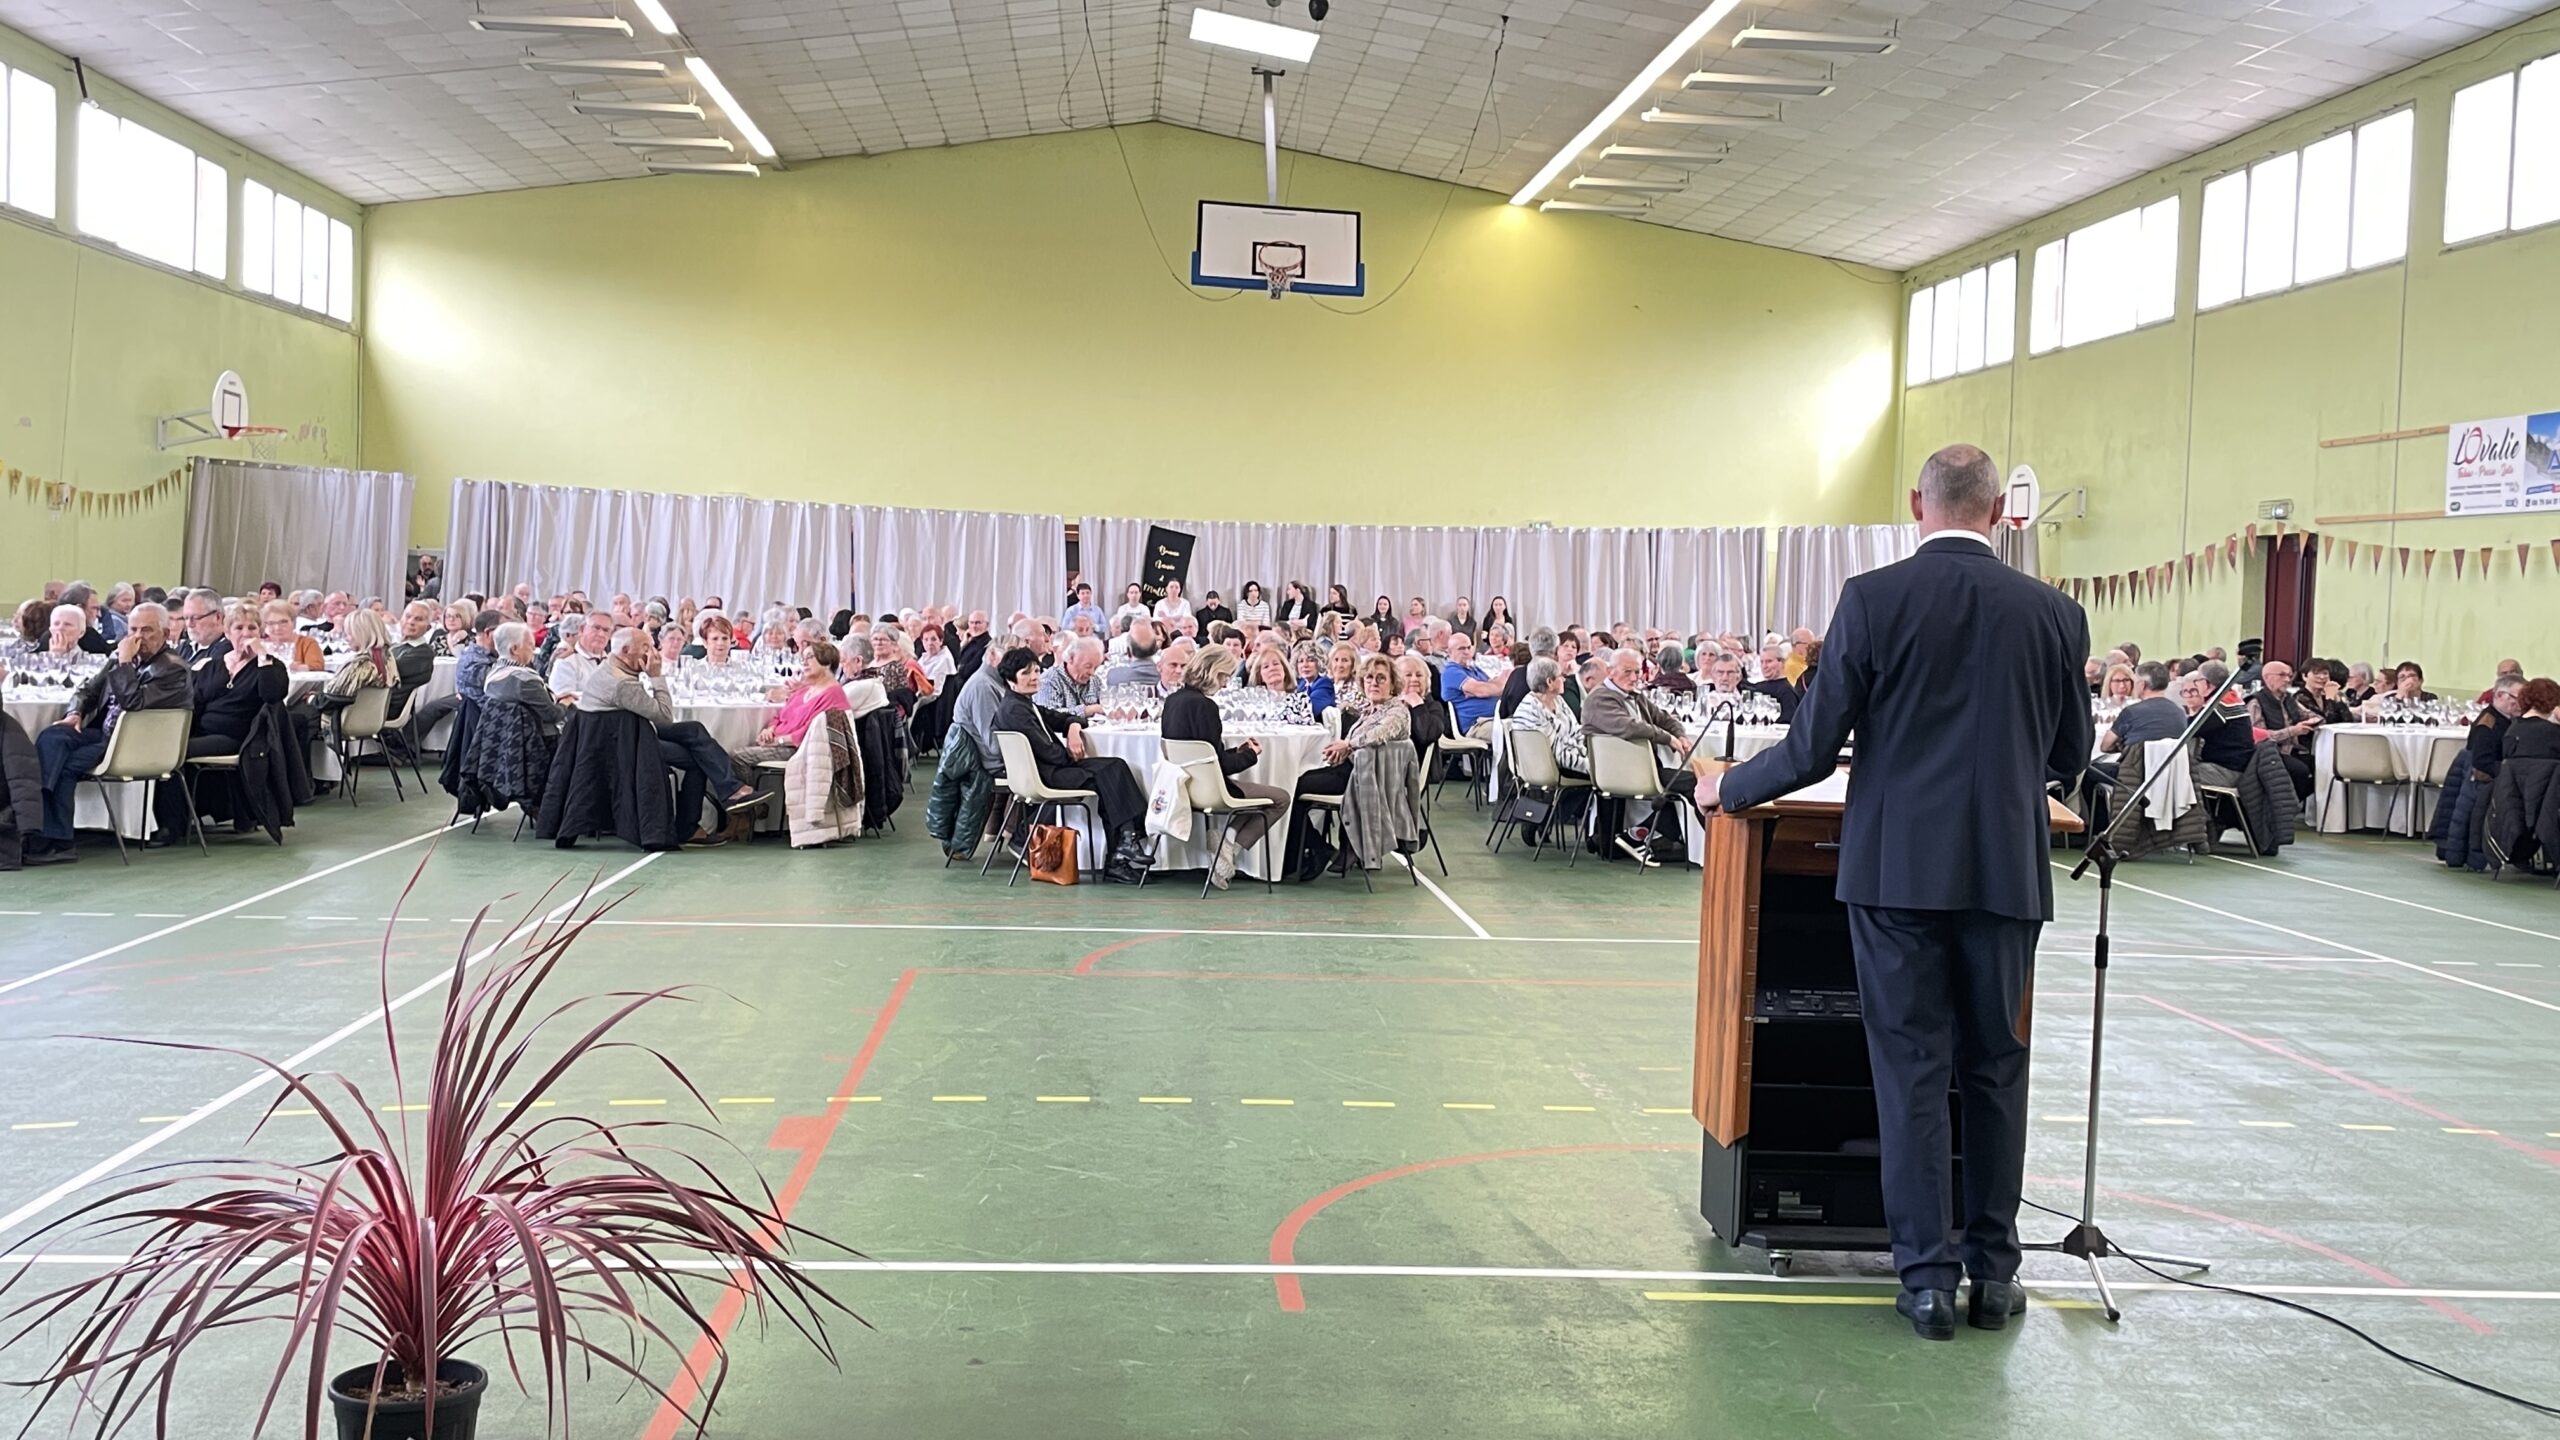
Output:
x=2336 y=205
x=2502 y=160
x=2106 y=278
x=27 y=127
x=296 y=253
x=1963 y=323
x=146 y=193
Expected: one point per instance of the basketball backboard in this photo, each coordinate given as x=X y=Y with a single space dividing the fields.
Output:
x=1239 y=245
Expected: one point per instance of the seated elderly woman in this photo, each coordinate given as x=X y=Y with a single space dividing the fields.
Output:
x=512 y=678
x=1671 y=671
x=1191 y=714
x=455 y=636
x=33 y=634
x=1543 y=709
x=276 y=626
x=1420 y=697
x=1272 y=673
x=1335 y=688
x=2117 y=685
x=231 y=690
x=1371 y=717
x=368 y=669
x=66 y=626
x=819 y=691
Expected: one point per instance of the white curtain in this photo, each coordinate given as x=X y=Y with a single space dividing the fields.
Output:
x=1614 y=570
x=306 y=527
x=976 y=559
x=2022 y=547
x=646 y=542
x=1224 y=555
x=1535 y=571
x=1710 y=580
x=1436 y=562
x=1814 y=561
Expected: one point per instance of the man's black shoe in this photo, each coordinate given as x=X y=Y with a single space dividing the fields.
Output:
x=1932 y=1313
x=162 y=839
x=1989 y=1303
x=50 y=855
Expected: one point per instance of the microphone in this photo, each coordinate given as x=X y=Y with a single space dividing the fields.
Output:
x=1729 y=711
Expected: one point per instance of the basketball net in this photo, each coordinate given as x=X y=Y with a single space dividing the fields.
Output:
x=264 y=440
x=1280 y=263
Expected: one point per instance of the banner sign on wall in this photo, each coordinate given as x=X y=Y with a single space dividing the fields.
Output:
x=2504 y=466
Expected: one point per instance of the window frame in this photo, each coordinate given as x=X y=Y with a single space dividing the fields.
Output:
x=11 y=77
x=2049 y=286
x=1938 y=351
x=2298 y=163
x=2514 y=81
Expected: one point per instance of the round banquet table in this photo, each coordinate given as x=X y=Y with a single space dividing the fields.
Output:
x=732 y=723
x=1748 y=740
x=34 y=709
x=1288 y=752
x=2401 y=809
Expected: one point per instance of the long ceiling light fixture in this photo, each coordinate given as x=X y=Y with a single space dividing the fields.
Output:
x=672 y=142
x=1632 y=187
x=613 y=69
x=729 y=105
x=1813 y=42
x=657 y=16
x=1657 y=155
x=552 y=24
x=1254 y=37
x=1588 y=208
x=1660 y=116
x=1681 y=44
x=1730 y=82
x=638 y=109
x=675 y=167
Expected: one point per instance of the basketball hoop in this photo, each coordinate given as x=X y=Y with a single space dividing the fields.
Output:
x=2025 y=499
x=1279 y=262
x=264 y=440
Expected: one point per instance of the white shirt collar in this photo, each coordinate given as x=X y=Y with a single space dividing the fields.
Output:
x=1979 y=539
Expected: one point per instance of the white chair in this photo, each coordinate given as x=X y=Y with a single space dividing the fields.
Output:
x=361 y=722
x=147 y=747
x=2442 y=752
x=1457 y=743
x=1207 y=791
x=1623 y=770
x=1023 y=787
x=1422 y=811
x=2361 y=759
x=405 y=725
x=1530 y=755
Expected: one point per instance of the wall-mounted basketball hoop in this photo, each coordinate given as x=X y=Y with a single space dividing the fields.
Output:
x=224 y=417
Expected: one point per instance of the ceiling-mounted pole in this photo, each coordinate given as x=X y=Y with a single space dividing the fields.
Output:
x=1270 y=136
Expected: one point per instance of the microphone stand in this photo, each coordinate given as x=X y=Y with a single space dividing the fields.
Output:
x=2085 y=1241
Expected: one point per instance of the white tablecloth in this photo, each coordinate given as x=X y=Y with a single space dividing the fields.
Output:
x=733 y=725
x=2401 y=809
x=1748 y=740
x=1287 y=753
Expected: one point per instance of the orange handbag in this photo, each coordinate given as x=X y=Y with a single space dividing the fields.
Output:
x=1053 y=854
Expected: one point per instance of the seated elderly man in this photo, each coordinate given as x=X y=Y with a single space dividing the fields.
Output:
x=633 y=677
x=1615 y=708
x=1137 y=649
x=199 y=631
x=1074 y=684
x=511 y=678
x=1464 y=684
x=585 y=654
x=2151 y=716
x=413 y=652
x=470 y=670
x=143 y=675
x=1773 y=681
x=2288 y=720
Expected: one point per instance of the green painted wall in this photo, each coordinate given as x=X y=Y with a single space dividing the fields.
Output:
x=2181 y=430
x=993 y=326
x=94 y=344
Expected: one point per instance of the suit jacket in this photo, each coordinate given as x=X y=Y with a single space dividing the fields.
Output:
x=1612 y=711
x=1962 y=680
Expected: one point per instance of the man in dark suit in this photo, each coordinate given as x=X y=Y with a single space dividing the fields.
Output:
x=1962 y=680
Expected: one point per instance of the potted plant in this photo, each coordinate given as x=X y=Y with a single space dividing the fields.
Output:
x=490 y=1224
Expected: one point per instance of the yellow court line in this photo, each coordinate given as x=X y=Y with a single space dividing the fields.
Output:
x=2268 y=1124
x=45 y=1125
x=2466 y=1130
x=635 y=1102
x=2064 y=1119
x=1570 y=1109
x=746 y=1099
x=2162 y=1120
x=536 y=1105
x=1463 y=1105
x=1666 y=1110
x=959 y=1099
x=853 y=1099
x=2368 y=1127
x=1164 y=1099
x=297 y=1112
x=1064 y=1099
x=1368 y=1104
x=1269 y=1102
x=415 y=1109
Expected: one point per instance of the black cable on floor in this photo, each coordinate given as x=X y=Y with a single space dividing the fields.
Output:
x=2316 y=1313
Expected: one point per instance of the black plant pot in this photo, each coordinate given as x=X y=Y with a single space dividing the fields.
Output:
x=457 y=1406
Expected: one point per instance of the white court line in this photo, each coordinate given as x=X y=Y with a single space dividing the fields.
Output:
x=1464 y=1272
x=2394 y=899
x=1463 y=917
x=2410 y=966
x=264 y=1078
x=167 y=930
x=1152 y=930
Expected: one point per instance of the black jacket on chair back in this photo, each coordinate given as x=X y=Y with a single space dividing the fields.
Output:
x=607 y=779
x=1962 y=680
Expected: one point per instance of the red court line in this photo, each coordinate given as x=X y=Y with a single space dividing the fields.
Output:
x=1284 y=1240
x=2362 y=1267
x=810 y=1136
x=1085 y=965
x=2543 y=1153
x=1295 y=978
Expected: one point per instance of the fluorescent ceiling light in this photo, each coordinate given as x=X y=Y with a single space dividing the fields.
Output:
x=553 y=24
x=1636 y=187
x=675 y=167
x=620 y=69
x=657 y=16
x=673 y=142
x=639 y=109
x=1254 y=37
x=1657 y=155
x=1725 y=82
x=1813 y=42
x=1681 y=44
x=1660 y=116
x=729 y=105
x=1588 y=207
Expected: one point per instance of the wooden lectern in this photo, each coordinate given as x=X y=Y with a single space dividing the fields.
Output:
x=1780 y=1081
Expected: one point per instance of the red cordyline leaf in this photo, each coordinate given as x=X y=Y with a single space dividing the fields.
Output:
x=509 y=1228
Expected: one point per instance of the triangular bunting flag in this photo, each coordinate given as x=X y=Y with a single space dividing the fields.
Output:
x=2250 y=534
x=2404 y=560
x=2524 y=558
x=2426 y=563
x=2351 y=550
x=2231 y=549
x=2484 y=561
x=2458 y=557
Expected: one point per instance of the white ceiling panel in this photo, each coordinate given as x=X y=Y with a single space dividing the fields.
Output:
x=1988 y=112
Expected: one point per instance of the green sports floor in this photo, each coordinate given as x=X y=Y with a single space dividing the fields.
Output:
x=1417 y=1162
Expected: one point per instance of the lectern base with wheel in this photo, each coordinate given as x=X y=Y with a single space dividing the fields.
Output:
x=1780 y=1081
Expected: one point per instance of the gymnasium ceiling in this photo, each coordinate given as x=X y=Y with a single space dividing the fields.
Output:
x=1988 y=112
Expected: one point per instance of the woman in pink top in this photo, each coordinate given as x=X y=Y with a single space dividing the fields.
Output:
x=818 y=692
